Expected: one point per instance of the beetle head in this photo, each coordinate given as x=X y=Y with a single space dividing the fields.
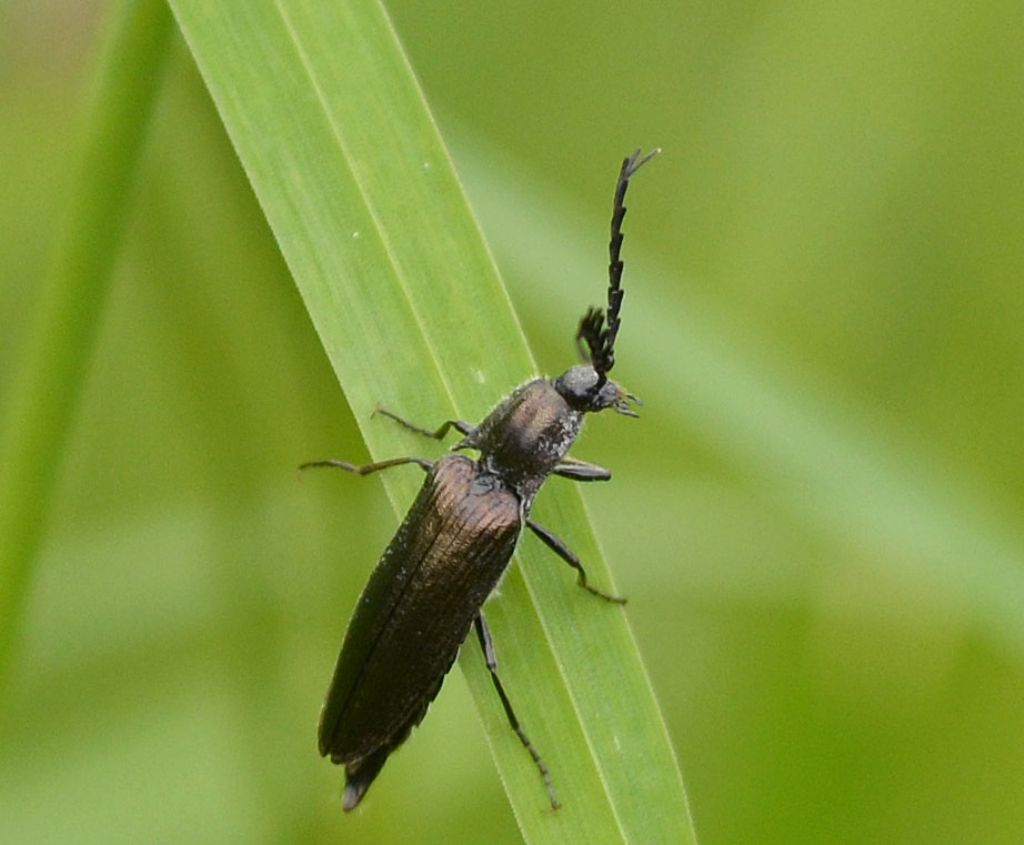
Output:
x=588 y=391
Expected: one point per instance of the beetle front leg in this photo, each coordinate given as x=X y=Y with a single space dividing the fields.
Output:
x=368 y=469
x=460 y=426
x=483 y=634
x=563 y=551
x=581 y=471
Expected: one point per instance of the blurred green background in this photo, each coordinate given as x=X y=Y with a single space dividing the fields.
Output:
x=818 y=518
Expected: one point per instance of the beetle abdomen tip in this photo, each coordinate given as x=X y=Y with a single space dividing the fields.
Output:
x=352 y=797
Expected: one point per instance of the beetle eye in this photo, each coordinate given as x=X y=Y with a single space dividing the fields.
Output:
x=579 y=387
x=582 y=387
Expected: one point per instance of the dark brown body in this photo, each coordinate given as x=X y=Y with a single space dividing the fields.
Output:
x=445 y=560
x=418 y=607
x=451 y=549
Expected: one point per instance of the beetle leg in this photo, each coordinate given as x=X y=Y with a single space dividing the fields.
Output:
x=566 y=554
x=460 y=426
x=581 y=471
x=368 y=469
x=483 y=634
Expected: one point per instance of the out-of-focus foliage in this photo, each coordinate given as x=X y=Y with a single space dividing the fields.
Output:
x=817 y=518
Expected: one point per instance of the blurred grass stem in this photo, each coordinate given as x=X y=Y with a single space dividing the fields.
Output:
x=41 y=407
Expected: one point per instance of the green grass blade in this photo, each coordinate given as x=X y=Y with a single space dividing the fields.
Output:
x=359 y=191
x=41 y=407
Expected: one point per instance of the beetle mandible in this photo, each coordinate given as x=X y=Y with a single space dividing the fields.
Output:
x=449 y=553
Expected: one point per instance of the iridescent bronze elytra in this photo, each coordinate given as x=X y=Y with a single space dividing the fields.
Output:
x=456 y=541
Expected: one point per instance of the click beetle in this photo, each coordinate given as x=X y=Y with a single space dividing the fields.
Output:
x=450 y=551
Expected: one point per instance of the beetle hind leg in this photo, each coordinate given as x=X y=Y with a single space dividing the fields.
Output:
x=483 y=634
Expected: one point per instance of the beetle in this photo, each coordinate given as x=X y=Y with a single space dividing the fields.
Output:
x=453 y=546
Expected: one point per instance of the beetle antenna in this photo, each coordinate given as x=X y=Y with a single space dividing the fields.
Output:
x=598 y=337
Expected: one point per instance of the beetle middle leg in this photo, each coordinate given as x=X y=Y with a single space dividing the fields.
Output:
x=566 y=554
x=483 y=634
x=368 y=469
x=581 y=470
x=460 y=426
